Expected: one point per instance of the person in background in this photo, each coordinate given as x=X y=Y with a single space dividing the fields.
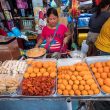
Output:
x=95 y=24
x=103 y=40
x=55 y=36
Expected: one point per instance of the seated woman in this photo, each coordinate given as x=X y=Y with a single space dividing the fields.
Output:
x=103 y=40
x=55 y=36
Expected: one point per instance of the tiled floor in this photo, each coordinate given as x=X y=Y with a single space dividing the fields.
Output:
x=35 y=105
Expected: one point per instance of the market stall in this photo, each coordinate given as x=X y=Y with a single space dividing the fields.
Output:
x=63 y=79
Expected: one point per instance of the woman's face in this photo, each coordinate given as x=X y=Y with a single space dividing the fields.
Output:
x=52 y=20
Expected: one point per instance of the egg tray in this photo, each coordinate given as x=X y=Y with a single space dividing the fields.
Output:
x=71 y=61
x=94 y=59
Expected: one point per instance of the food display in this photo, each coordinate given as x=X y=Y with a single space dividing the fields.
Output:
x=13 y=67
x=35 y=52
x=11 y=74
x=39 y=78
x=101 y=71
x=9 y=84
x=76 y=79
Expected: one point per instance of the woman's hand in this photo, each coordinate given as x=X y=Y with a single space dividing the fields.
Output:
x=66 y=40
x=67 y=37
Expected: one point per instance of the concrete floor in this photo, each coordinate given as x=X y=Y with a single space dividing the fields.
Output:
x=36 y=105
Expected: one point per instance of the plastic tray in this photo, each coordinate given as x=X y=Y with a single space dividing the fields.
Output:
x=90 y=60
x=54 y=89
x=71 y=61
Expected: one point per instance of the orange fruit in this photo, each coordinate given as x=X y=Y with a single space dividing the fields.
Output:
x=71 y=92
x=39 y=64
x=86 y=77
x=33 y=75
x=68 y=87
x=45 y=65
x=91 y=65
x=84 y=92
x=108 y=74
x=100 y=70
x=90 y=92
x=98 y=64
x=70 y=82
x=70 y=73
x=79 y=78
x=49 y=69
x=106 y=69
x=81 y=87
x=60 y=81
x=107 y=82
x=30 y=69
x=75 y=87
x=79 y=68
x=33 y=64
x=108 y=63
x=93 y=86
x=42 y=70
x=100 y=81
x=77 y=92
x=26 y=75
x=82 y=82
x=94 y=69
x=106 y=88
x=72 y=68
x=65 y=82
x=53 y=70
x=65 y=92
x=62 y=87
x=75 y=73
x=103 y=64
x=76 y=82
x=97 y=75
x=36 y=70
x=53 y=74
x=87 y=87
x=45 y=74
x=59 y=76
x=84 y=64
x=67 y=77
x=103 y=75
x=96 y=91
x=62 y=76
x=73 y=77
x=59 y=91
x=39 y=74
x=90 y=81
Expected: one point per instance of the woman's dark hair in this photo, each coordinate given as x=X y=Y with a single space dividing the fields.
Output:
x=101 y=5
x=52 y=11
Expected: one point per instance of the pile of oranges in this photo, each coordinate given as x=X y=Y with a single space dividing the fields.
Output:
x=101 y=71
x=39 y=68
x=76 y=80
